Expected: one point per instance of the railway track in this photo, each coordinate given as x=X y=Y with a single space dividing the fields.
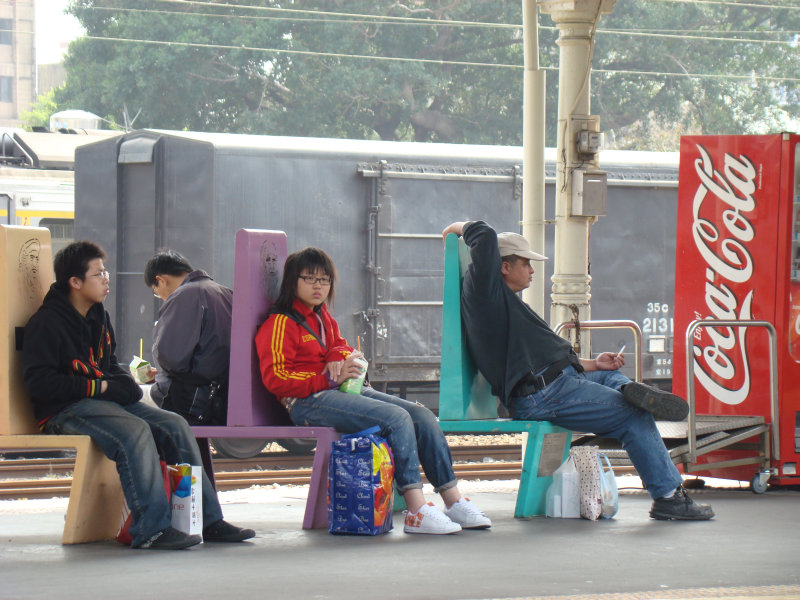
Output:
x=48 y=478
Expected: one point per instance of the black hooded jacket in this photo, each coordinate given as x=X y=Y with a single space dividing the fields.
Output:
x=65 y=356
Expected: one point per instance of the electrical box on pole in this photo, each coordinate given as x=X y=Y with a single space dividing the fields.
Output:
x=589 y=193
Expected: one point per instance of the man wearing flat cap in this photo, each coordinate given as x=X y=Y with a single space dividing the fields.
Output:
x=538 y=376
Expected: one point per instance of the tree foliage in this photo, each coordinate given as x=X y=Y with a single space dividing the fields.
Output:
x=40 y=112
x=239 y=67
x=696 y=38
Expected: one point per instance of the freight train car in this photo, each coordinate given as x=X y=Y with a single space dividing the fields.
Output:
x=379 y=209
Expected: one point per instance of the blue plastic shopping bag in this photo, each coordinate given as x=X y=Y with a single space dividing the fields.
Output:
x=360 y=479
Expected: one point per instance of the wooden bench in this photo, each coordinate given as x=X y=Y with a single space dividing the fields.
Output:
x=252 y=411
x=95 y=498
x=467 y=405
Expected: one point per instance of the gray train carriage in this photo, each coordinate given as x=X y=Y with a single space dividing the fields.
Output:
x=378 y=208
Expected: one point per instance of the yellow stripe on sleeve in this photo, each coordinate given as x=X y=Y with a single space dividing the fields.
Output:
x=279 y=358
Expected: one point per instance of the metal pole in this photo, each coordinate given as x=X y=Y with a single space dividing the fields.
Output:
x=533 y=125
x=576 y=21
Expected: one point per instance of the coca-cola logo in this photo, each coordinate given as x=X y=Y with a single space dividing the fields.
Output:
x=722 y=242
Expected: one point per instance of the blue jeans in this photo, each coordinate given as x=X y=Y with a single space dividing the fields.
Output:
x=591 y=402
x=411 y=430
x=135 y=437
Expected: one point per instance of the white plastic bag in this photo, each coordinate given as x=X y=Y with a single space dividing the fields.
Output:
x=563 y=495
x=608 y=488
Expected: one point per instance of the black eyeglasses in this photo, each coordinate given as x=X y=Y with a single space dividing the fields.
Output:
x=311 y=280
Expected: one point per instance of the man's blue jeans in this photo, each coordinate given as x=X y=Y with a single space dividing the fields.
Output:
x=134 y=437
x=411 y=430
x=591 y=402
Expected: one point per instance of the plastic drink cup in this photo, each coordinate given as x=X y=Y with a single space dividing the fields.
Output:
x=354 y=384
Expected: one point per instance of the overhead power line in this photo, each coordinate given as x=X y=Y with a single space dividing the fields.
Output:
x=685 y=35
x=652 y=33
x=372 y=20
x=751 y=77
x=300 y=11
x=733 y=3
x=705 y=38
x=406 y=21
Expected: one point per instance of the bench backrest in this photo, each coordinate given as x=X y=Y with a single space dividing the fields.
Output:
x=463 y=392
x=26 y=270
x=258 y=268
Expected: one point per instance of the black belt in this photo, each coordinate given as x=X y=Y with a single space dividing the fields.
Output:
x=531 y=383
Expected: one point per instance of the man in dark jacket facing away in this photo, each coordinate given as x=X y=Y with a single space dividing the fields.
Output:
x=191 y=339
x=538 y=377
x=78 y=387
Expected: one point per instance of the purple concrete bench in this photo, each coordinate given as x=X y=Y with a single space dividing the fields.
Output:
x=252 y=411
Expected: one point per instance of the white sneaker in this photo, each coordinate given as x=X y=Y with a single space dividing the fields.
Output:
x=429 y=519
x=465 y=513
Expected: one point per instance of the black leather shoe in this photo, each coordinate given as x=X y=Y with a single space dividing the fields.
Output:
x=222 y=531
x=663 y=405
x=680 y=508
x=172 y=539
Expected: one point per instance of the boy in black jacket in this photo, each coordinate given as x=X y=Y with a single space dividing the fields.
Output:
x=78 y=387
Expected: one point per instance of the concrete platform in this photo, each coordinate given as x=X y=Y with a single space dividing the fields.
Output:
x=749 y=550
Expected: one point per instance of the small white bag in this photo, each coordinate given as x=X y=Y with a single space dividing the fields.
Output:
x=608 y=488
x=563 y=495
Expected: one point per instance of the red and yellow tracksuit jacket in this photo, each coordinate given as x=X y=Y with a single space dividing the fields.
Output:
x=291 y=358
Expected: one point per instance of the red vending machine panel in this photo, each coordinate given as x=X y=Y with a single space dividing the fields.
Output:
x=738 y=258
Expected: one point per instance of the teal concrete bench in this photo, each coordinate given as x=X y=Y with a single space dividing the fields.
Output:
x=466 y=404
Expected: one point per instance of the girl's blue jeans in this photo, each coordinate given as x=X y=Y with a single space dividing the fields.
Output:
x=411 y=429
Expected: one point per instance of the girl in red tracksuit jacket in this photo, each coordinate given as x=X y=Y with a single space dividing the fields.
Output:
x=304 y=359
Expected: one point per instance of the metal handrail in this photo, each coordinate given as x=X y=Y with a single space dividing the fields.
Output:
x=610 y=324
x=5 y=136
x=773 y=380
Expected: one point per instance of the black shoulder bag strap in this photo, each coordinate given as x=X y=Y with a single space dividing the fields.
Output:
x=297 y=318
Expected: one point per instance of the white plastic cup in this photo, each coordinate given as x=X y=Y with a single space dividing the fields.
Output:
x=353 y=385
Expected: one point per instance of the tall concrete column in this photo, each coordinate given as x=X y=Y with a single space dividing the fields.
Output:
x=576 y=21
x=533 y=124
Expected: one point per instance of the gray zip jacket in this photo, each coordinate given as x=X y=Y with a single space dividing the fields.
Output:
x=193 y=332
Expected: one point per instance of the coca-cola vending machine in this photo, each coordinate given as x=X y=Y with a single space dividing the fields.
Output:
x=738 y=258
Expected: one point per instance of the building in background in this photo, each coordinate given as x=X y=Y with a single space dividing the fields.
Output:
x=50 y=76
x=17 y=60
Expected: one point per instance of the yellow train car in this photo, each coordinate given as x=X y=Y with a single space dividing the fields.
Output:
x=37 y=179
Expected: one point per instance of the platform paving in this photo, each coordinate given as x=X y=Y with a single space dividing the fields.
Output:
x=749 y=550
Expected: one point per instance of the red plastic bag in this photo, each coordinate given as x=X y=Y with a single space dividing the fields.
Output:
x=124 y=535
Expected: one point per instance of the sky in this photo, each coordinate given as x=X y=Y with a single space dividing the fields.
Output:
x=54 y=30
